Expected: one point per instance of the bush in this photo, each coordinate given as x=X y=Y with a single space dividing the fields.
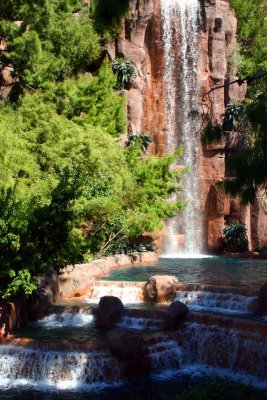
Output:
x=235 y=237
x=125 y=70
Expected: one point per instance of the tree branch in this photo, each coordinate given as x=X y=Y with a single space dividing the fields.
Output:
x=248 y=79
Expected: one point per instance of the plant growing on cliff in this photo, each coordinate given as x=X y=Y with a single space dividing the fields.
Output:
x=235 y=237
x=125 y=70
x=143 y=140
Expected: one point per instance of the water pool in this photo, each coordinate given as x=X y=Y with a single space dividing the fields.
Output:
x=213 y=270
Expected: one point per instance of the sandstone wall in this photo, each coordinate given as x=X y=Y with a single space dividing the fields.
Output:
x=141 y=40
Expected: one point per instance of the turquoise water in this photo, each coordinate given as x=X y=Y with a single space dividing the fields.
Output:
x=213 y=270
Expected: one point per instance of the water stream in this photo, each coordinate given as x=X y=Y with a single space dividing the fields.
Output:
x=180 y=21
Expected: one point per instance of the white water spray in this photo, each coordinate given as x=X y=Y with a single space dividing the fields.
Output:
x=180 y=31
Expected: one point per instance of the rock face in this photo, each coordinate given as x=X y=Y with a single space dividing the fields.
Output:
x=4 y=319
x=141 y=40
x=160 y=288
x=13 y=315
x=109 y=311
x=176 y=314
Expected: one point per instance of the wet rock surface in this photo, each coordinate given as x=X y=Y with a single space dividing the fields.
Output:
x=110 y=311
x=175 y=315
x=128 y=346
x=161 y=288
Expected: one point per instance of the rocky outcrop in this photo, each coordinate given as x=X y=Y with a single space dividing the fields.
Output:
x=161 y=288
x=4 y=319
x=109 y=311
x=13 y=315
x=175 y=315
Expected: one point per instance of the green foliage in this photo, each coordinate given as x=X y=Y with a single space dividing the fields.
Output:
x=209 y=389
x=50 y=43
x=252 y=32
x=22 y=280
x=143 y=140
x=235 y=237
x=125 y=71
x=108 y=15
x=91 y=100
x=68 y=192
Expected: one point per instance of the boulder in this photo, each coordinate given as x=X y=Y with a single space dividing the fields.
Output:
x=4 y=319
x=125 y=344
x=128 y=346
x=262 y=299
x=110 y=310
x=13 y=315
x=39 y=303
x=161 y=288
x=176 y=314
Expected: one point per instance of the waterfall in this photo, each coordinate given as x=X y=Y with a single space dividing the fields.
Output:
x=226 y=303
x=128 y=293
x=56 y=369
x=180 y=30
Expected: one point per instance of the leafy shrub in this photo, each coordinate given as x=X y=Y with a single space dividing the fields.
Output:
x=235 y=237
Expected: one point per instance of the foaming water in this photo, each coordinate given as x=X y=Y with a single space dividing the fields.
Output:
x=226 y=303
x=198 y=371
x=56 y=370
x=243 y=353
x=212 y=351
x=180 y=20
x=74 y=319
x=127 y=294
x=141 y=323
x=182 y=255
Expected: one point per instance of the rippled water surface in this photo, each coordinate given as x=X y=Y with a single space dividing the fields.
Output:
x=145 y=389
x=213 y=270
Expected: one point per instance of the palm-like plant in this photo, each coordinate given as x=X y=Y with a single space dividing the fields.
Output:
x=235 y=237
x=125 y=70
x=144 y=140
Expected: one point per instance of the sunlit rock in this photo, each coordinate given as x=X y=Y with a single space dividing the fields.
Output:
x=161 y=288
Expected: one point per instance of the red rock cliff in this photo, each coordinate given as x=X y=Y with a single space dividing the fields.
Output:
x=141 y=40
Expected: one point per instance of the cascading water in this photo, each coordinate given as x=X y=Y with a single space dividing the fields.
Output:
x=127 y=293
x=56 y=369
x=180 y=29
x=225 y=303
